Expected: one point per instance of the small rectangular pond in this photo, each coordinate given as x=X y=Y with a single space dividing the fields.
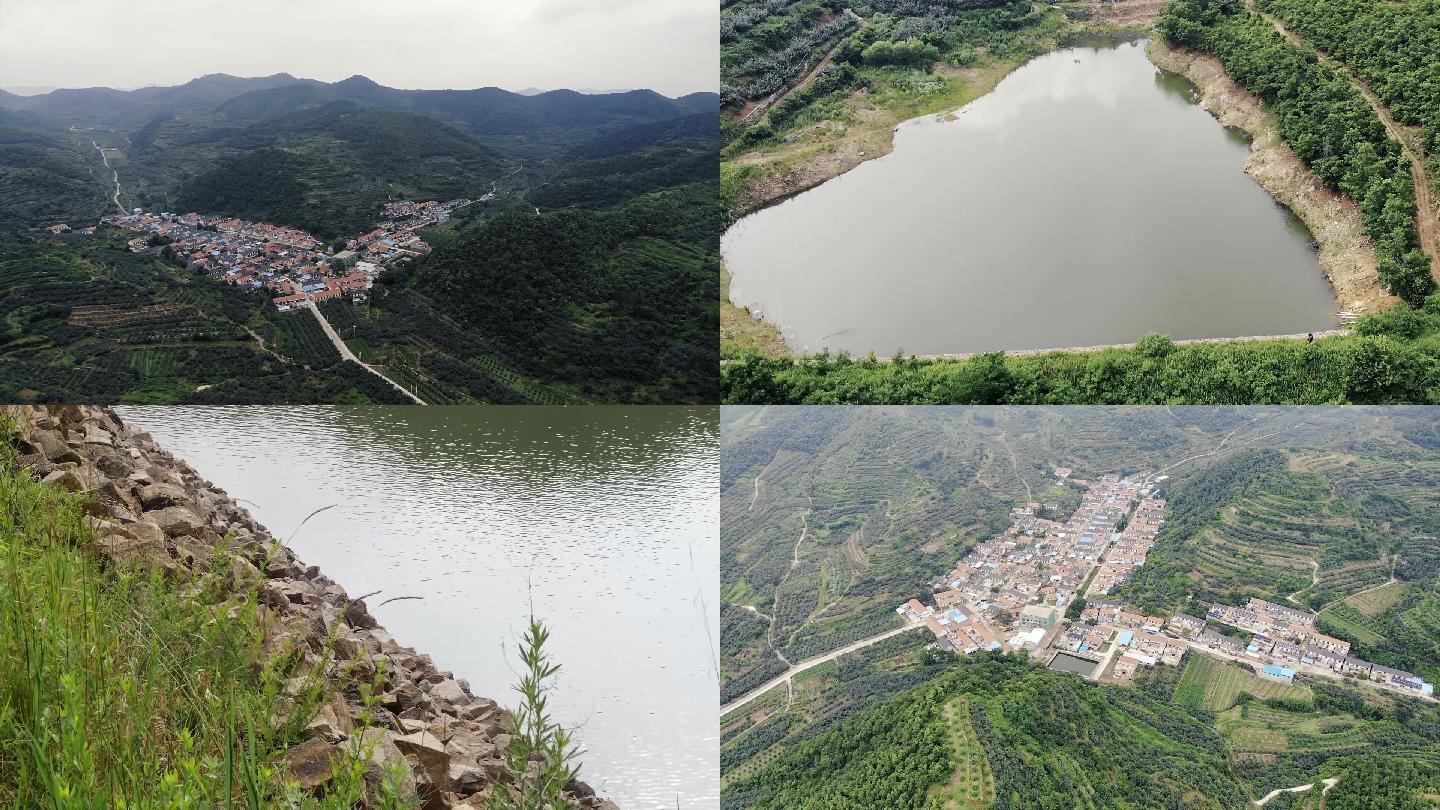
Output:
x=1065 y=662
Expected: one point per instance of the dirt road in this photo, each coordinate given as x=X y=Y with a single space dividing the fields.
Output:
x=349 y=355
x=1427 y=215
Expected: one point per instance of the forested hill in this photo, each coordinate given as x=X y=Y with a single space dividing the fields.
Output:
x=906 y=729
x=618 y=303
x=486 y=112
x=43 y=177
x=1042 y=739
x=330 y=169
x=121 y=108
x=535 y=124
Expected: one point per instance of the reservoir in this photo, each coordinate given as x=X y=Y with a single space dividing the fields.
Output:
x=606 y=518
x=1087 y=200
x=1065 y=662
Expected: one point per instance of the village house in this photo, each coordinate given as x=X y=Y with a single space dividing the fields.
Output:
x=1186 y=626
x=1274 y=673
x=1357 y=667
x=285 y=303
x=914 y=610
x=1223 y=643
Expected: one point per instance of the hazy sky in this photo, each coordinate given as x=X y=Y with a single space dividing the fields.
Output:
x=666 y=45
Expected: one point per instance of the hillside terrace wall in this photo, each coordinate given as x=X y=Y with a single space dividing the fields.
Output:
x=152 y=508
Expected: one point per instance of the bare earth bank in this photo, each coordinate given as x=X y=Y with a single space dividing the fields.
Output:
x=1347 y=256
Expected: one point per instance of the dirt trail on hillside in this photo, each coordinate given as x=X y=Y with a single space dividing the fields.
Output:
x=1427 y=216
x=1346 y=254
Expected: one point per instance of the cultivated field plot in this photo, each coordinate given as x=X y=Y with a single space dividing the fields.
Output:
x=973 y=784
x=1259 y=728
x=1212 y=684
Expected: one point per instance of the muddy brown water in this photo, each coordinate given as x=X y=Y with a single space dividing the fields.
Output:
x=1087 y=200
x=605 y=518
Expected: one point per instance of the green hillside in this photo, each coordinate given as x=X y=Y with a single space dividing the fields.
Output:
x=896 y=726
x=86 y=320
x=1048 y=739
x=615 y=303
x=46 y=178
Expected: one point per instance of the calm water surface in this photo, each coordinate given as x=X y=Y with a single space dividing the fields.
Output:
x=1073 y=664
x=1087 y=200
x=611 y=515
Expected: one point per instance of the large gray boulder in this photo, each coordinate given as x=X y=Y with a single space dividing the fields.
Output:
x=175 y=521
x=159 y=496
x=429 y=754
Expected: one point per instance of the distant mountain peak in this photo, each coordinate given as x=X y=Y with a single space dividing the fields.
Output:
x=358 y=81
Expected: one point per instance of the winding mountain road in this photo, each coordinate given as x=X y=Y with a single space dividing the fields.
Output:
x=1329 y=783
x=114 y=175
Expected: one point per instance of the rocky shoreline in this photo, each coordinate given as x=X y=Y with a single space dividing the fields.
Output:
x=148 y=507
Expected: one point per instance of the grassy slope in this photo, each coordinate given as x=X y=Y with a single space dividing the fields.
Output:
x=121 y=686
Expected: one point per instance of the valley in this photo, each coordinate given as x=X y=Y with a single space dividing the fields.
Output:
x=1222 y=605
x=479 y=310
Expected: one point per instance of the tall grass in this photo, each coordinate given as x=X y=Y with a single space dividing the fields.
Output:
x=542 y=759
x=121 y=688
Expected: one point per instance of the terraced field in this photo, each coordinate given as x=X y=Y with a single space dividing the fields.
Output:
x=299 y=336
x=93 y=322
x=1377 y=600
x=1259 y=728
x=1274 y=538
x=973 y=784
x=1215 y=685
x=421 y=348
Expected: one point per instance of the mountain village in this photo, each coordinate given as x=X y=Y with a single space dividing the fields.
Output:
x=1019 y=591
x=291 y=265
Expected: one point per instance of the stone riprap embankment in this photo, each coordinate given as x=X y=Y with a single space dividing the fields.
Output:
x=148 y=507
